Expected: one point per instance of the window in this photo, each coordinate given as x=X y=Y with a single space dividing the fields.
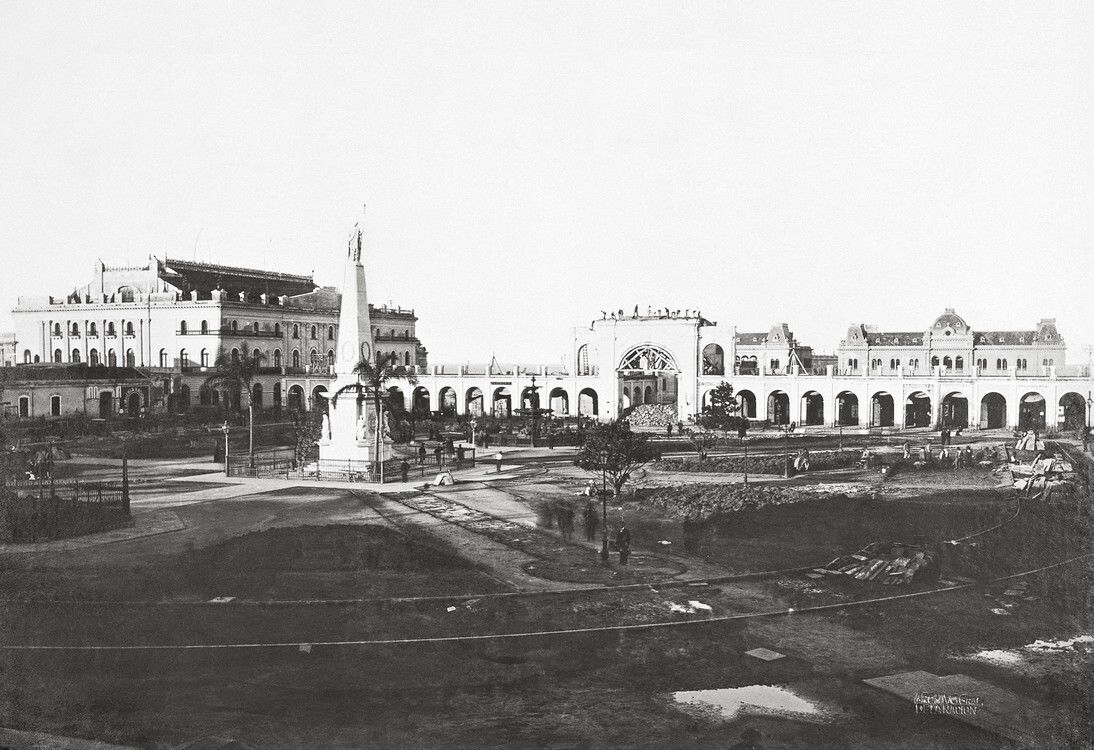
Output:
x=277 y=393
x=406 y=359
x=296 y=330
x=330 y=333
x=75 y=355
x=959 y=363
x=774 y=363
x=182 y=327
x=205 y=326
x=256 y=326
x=163 y=358
x=93 y=357
x=934 y=362
x=947 y=363
x=296 y=359
x=277 y=358
x=24 y=406
x=129 y=328
x=204 y=358
x=256 y=355
x=235 y=355
x=110 y=330
x=184 y=358
x=852 y=364
x=75 y=329
x=1000 y=364
x=56 y=329
x=26 y=356
x=982 y=364
x=235 y=326
x=126 y=293
x=54 y=406
x=111 y=359
x=894 y=364
x=92 y=330
x=330 y=357
x=130 y=358
x=315 y=332
x=57 y=355
x=277 y=329
x=914 y=364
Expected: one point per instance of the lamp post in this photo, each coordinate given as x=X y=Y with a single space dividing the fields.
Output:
x=744 y=441
x=604 y=505
x=786 y=447
x=225 y=429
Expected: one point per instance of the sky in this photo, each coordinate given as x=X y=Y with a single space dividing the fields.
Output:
x=527 y=165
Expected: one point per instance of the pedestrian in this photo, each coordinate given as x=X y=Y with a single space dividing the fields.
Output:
x=591 y=519
x=668 y=429
x=551 y=440
x=485 y=439
x=497 y=462
x=459 y=455
x=437 y=455
x=566 y=521
x=623 y=541
x=907 y=450
x=404 y=470
x=421 y=454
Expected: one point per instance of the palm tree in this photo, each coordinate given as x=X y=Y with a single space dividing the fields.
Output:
x=237 y=371
x=371 y=378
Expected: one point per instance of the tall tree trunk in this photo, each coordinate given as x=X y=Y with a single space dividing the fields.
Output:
x=251 y=429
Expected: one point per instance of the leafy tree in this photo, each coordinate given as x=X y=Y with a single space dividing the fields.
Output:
x=236 y=372
x=701 y=439
x=371 y=379
x=721 y=412
x=616 y=452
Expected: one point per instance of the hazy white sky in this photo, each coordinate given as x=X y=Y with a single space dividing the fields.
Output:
x=527 y=165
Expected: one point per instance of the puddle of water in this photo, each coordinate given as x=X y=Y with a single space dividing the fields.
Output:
x=763 y=699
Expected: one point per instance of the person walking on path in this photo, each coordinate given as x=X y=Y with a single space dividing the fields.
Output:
x=591 y=518
x=623 y=540
x=668 y=430
x=497 y=462
x=404 y=470
x=421 y=454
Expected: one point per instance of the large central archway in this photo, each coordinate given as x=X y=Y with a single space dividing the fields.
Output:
x=993 y=411
x=648 y=376
x=1073 y=410
x=846 y=409
x=882 y=410
x=1031 y=412
x=778 y=408
x=812 y=409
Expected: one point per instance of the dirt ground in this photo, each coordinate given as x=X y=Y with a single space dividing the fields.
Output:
x=306 y=567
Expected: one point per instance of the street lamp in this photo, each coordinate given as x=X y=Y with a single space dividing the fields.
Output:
x=225 y=429
x=744 y=441
x=604 y=505
x=786 y=446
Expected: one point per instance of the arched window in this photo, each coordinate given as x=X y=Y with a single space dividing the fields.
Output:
x=774 y=365
x=235 y=326
x=205 y=326
x=1003 y=364
x=126 y=293
x=583 y=360
x=75 y=355
x=934 y=362
x=182 y=327
x=110 y=330
x=313 y=358
x=330 y=357
x=204 y=358
x=296 y=359
x=57 y=329
x=256 y=326
x=92 y=330
x=54 y=406
x=296 y=330
x=256 y=355
x=111 y=358
x=129 y=328
x=330 y=333
x=163 y=358
x=959 y=363
x=947 y=363
x=57 y=356
x=277 y=329
x=75 y=329
x=26 y=356
x=235 y=354
x=130 y=358
x=93 y=357
x=315 y=332
x=406 y=358
x=24 y=406
x=277 y=358
x=184 y=358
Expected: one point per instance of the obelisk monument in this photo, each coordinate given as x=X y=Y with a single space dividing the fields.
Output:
x=350 y=429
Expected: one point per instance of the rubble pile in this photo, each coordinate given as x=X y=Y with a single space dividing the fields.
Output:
x=702 y=501
x=652 y=415
x=1043 y=476
x=888 y=563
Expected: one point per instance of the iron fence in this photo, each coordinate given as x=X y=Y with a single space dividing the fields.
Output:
x=348 y=470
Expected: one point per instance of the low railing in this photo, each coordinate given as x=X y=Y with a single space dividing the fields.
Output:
x=349 y=470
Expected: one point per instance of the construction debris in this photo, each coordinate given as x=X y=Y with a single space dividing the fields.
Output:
x=888 y=563
x=1043 y=476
